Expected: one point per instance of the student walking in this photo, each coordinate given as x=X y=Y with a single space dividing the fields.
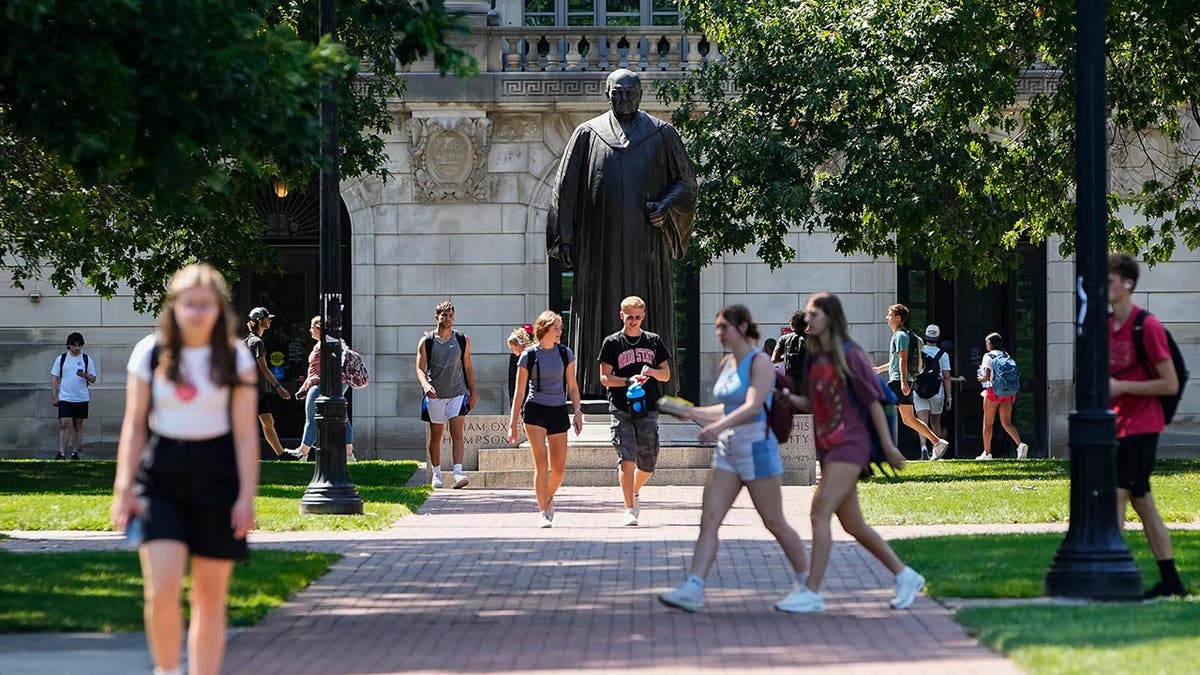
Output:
x=190 y=486
x=846 y=402
x=1141 y=371
x=447 y=378
x=634 y=361
x=929 y=408
x=71 y=375
x=903 y=353
x=311 y=390
x=747 y=455
x=259 y=323
x=995 y=400
x=545 y=383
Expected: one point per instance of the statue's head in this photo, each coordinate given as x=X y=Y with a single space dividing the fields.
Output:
x=624 y=92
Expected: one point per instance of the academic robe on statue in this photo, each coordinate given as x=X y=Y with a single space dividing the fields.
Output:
x=607 y=175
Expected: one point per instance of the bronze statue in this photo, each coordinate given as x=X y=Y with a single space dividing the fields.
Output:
x=622 y=210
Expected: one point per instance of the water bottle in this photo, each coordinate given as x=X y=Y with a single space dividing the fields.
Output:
x=635 y=396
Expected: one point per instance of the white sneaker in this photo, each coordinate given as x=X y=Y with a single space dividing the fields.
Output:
x=436 y=481
x=939 y=448
x=460 y=480
x=544 y=520
x=983 y=456
x=908 y=585
x=924 y=452
x=688 y=596
x=630 y=517
x=351 y=458
x=803 y=600
x=1023 y=451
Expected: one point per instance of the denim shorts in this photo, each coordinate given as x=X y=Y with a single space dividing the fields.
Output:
x=750 y=451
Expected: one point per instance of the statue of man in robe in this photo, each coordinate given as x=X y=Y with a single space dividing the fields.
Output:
x=621 y=212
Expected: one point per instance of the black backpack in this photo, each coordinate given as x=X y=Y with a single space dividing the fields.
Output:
x=1169 y=402
x=62 y=360
x=929 y=382
x=795 y=359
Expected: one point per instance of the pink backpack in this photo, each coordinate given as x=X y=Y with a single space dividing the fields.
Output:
x=354 y=371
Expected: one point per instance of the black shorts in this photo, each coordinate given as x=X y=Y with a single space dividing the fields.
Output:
x=1135 y=461
x=264 y=405
x=901 y=399
x=78 y=411
x=555 y=419
x=189 y=488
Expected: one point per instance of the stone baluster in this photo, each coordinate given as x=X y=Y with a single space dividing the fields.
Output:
x=603 y=52
x=512 y=58
x=687 y=49
x=623 y=50
x=646 y=50
x=675 y=56
x=572 y=56
x=553 y=49
x=587 y=53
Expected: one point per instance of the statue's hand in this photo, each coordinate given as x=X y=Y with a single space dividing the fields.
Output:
x=566 y=256
x=657 y=212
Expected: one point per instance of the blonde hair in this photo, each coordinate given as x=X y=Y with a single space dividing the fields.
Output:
x=544 y=321
x=633 y=302
x=520 y=336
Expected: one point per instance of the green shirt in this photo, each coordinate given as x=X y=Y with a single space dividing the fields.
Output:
x=900 y=343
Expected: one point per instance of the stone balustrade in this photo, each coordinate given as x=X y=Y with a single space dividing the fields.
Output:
x=596 y=49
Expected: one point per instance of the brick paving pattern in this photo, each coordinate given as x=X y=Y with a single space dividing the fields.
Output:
x=471 y=585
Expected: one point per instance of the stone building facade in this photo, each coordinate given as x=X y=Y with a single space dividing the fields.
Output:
x=463 y=218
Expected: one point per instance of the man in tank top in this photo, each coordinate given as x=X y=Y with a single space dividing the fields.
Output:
x=447 y=379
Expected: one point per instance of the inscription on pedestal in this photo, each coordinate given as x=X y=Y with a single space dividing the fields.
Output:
x=799 y=454
x=481 y=431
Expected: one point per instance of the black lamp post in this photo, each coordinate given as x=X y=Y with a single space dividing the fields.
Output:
x=330 y=490
x=1093 y=560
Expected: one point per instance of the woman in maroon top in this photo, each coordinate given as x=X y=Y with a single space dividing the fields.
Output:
x=845 y=399
x=312 y=385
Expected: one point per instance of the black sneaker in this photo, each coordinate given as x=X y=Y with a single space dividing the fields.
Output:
x=74 y=455
x=60 y=456
x=286 y=456
x=1161 y=590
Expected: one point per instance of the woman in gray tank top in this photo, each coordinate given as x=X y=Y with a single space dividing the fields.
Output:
x=547 y=372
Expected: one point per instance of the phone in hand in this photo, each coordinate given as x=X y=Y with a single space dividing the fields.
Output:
x=135 y=532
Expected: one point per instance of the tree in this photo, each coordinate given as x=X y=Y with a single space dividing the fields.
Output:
x=134 y=134
x=899 y=126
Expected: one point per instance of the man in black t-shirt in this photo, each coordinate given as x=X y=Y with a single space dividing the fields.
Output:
x=630 y=356
x=260 y=320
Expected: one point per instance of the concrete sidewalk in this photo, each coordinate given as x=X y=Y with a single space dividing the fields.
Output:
x=471 y=585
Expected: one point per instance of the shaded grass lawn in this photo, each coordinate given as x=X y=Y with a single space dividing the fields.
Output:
x=1159 y=637
x=102 y=591
x=1009 y=491
x=48 y=495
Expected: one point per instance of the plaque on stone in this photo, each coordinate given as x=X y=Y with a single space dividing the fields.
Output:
x=449 y=157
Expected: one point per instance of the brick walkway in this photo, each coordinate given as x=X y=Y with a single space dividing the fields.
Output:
x=471 y=585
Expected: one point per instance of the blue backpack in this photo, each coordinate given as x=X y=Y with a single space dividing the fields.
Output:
x=1006 y=377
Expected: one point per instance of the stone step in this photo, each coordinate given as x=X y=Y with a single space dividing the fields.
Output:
x=593 y=456
x=608 y=477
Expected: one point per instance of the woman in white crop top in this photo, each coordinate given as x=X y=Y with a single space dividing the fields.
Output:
x=187 y=465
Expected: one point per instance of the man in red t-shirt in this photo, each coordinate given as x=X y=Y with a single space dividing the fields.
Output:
x=1135 y=387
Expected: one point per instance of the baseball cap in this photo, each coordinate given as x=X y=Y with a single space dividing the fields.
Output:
x=260 y=313
x=932 y=332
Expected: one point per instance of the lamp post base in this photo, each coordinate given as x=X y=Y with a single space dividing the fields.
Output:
x=1093 y=561
x=331 y=499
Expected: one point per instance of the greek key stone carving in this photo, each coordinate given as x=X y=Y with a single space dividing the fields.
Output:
x=449 y=158
x=551 y=87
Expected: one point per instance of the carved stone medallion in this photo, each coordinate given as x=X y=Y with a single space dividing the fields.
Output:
x=449 y=158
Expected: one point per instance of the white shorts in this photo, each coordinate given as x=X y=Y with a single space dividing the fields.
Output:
x=442 y=409
x=934 y=405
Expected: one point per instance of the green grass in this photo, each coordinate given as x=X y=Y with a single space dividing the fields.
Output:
x=47 y=495
x=1009 y=491
x=1158 y=637
x=1014 y=565
x=102 y=591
